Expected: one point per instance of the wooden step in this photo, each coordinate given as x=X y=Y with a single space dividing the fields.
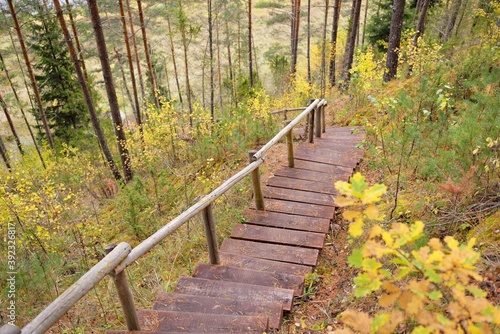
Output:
x=247 y=276
x=282 y=253
x=295 y=208
x=333 y=158
x=189 y=322
x=325 y=187
x=300 y=196
x=310 y=175
x=292 y=222
x=321 y=167
x=243 y=261
x=278 y=236
x=211 y=305
x=232 y=290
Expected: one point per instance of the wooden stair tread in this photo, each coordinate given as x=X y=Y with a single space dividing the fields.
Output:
x=248 y=276
x=242 y=291
x=278 y=236
x=282 y=253
x=321 y=167
x=288 y=221
x=333 y=158
x=323 y=187
x=172 y=301
x=300 y=196
x=310 y=175
x=301 y=209
x=243 y=261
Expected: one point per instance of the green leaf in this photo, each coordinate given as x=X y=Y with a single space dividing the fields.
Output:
x=366 y=284
x=356 y=258
x=358 y=185
x=435 y=295
x=432 y=275
x=476 y=292
x=373 y=194
x=379 y=321
x=422 y=330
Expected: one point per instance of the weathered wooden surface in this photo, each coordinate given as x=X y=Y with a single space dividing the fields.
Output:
x=247 y=276
x=310 y=175
x=301 y=196
x=278 y=236
x=232 y=290
x=288 y=221
x=282 y=253
x=249 y=262
x=301 y=209
x=321 y=167
x=212 y=305
x=306 y=185
x=334 y=158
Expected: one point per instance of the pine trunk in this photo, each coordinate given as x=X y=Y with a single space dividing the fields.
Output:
x=250 y=61
x=419 y=30
x=77 y=40
x=174 y=62
x=211 y=59
x=453 y=18
x=148 y=58
x=333 y=41
x=110 y=89
x=350 y=43
x=295 y=33
x=364 y=23
x=323 y=52
x=5 y=155
x=11 y=124
x=230 y=62
x=309 y=42
x=219 y=68
x=394 y=40
x=186 y=66
x=136 y=50
x=34 y=85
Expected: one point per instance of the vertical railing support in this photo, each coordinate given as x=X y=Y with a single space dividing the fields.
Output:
x=125 y=296
x=257 y=190
x=208 y=219
x=10 y=329
x=323 y=118
x=311 y=125
x=289 y=145
x=319 y=112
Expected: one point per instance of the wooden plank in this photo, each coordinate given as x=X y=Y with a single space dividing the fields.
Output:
x=299 y=196
x=304 y=185
x=232 y=290
x=187 y=322
x=282 y=253
x=309 y=175
x=314 y=154
x=243 y=261
x=278 y=236
x=301 y=209
x=321 y=167
x=210 y=305
x=247 y=276
x=292 y=222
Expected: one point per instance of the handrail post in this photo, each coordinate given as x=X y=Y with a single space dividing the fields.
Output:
x=208 y=219
x=10 y=329
x=311 y=125
x=257 y=189
x=125 y=296
x=323 y=121
x=289 y=144
x=319 y=112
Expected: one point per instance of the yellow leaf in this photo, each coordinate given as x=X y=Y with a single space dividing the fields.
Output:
x=410 y=302
x=359 y=321
x=451 y=242
x=350 y=215
x=372 y=212
x=344 y=188
x=373 y=194
x=435 y=244
x=341 y=201
x=387 y=299
x=356 y=228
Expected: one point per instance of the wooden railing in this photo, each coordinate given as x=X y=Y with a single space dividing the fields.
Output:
x=120 y=256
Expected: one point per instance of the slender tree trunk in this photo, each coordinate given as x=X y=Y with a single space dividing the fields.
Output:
x=110 y=89
x=124 y=79
x=323 y=52
x=23 y=113
x=136 y=50
x=364 y=22
x=239 y=47
x=211 y=58
x=333 y=40
x=250 y=61
x=5 y=155
x=461 y=17
x=186 y=62
x=130 y=66
x=453 y=18
x=11 y=124
x=219 y=68
x=230 y=62
x=350 y=43
x=203 y=75
x=148 y=58
x=309 y=42
x=77 y=40
x=295 y=33
x=86 y=92
x=419 y=30
x=394 y=40
x=31 y=75
x=174 y=62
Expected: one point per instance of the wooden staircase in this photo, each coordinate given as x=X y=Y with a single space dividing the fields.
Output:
x=263 y=263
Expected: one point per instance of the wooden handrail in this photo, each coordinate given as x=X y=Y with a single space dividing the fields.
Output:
x=74 y=293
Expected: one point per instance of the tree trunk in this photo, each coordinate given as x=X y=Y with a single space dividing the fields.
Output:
x=394 y=40
x=136 y=51
x=464 y=10
x=77 y=40
x=11 y=124
x=23 y=113
x=295 y=33
x=5 y=155
x=333 y=40
x=211 y=58
x=323 y=52
x=130 y=66
x=309 y=42
x=230 y=62
x=110 y=89
x=172 y=49
x=124 y=79
x=36 y=91
x=419 y=30
x=250 y=62
x=86 y=92
x=219 y=68
x=364 y=23
x=453 y=18
x=350 y=43
x=183 y=26
x=148 y=58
